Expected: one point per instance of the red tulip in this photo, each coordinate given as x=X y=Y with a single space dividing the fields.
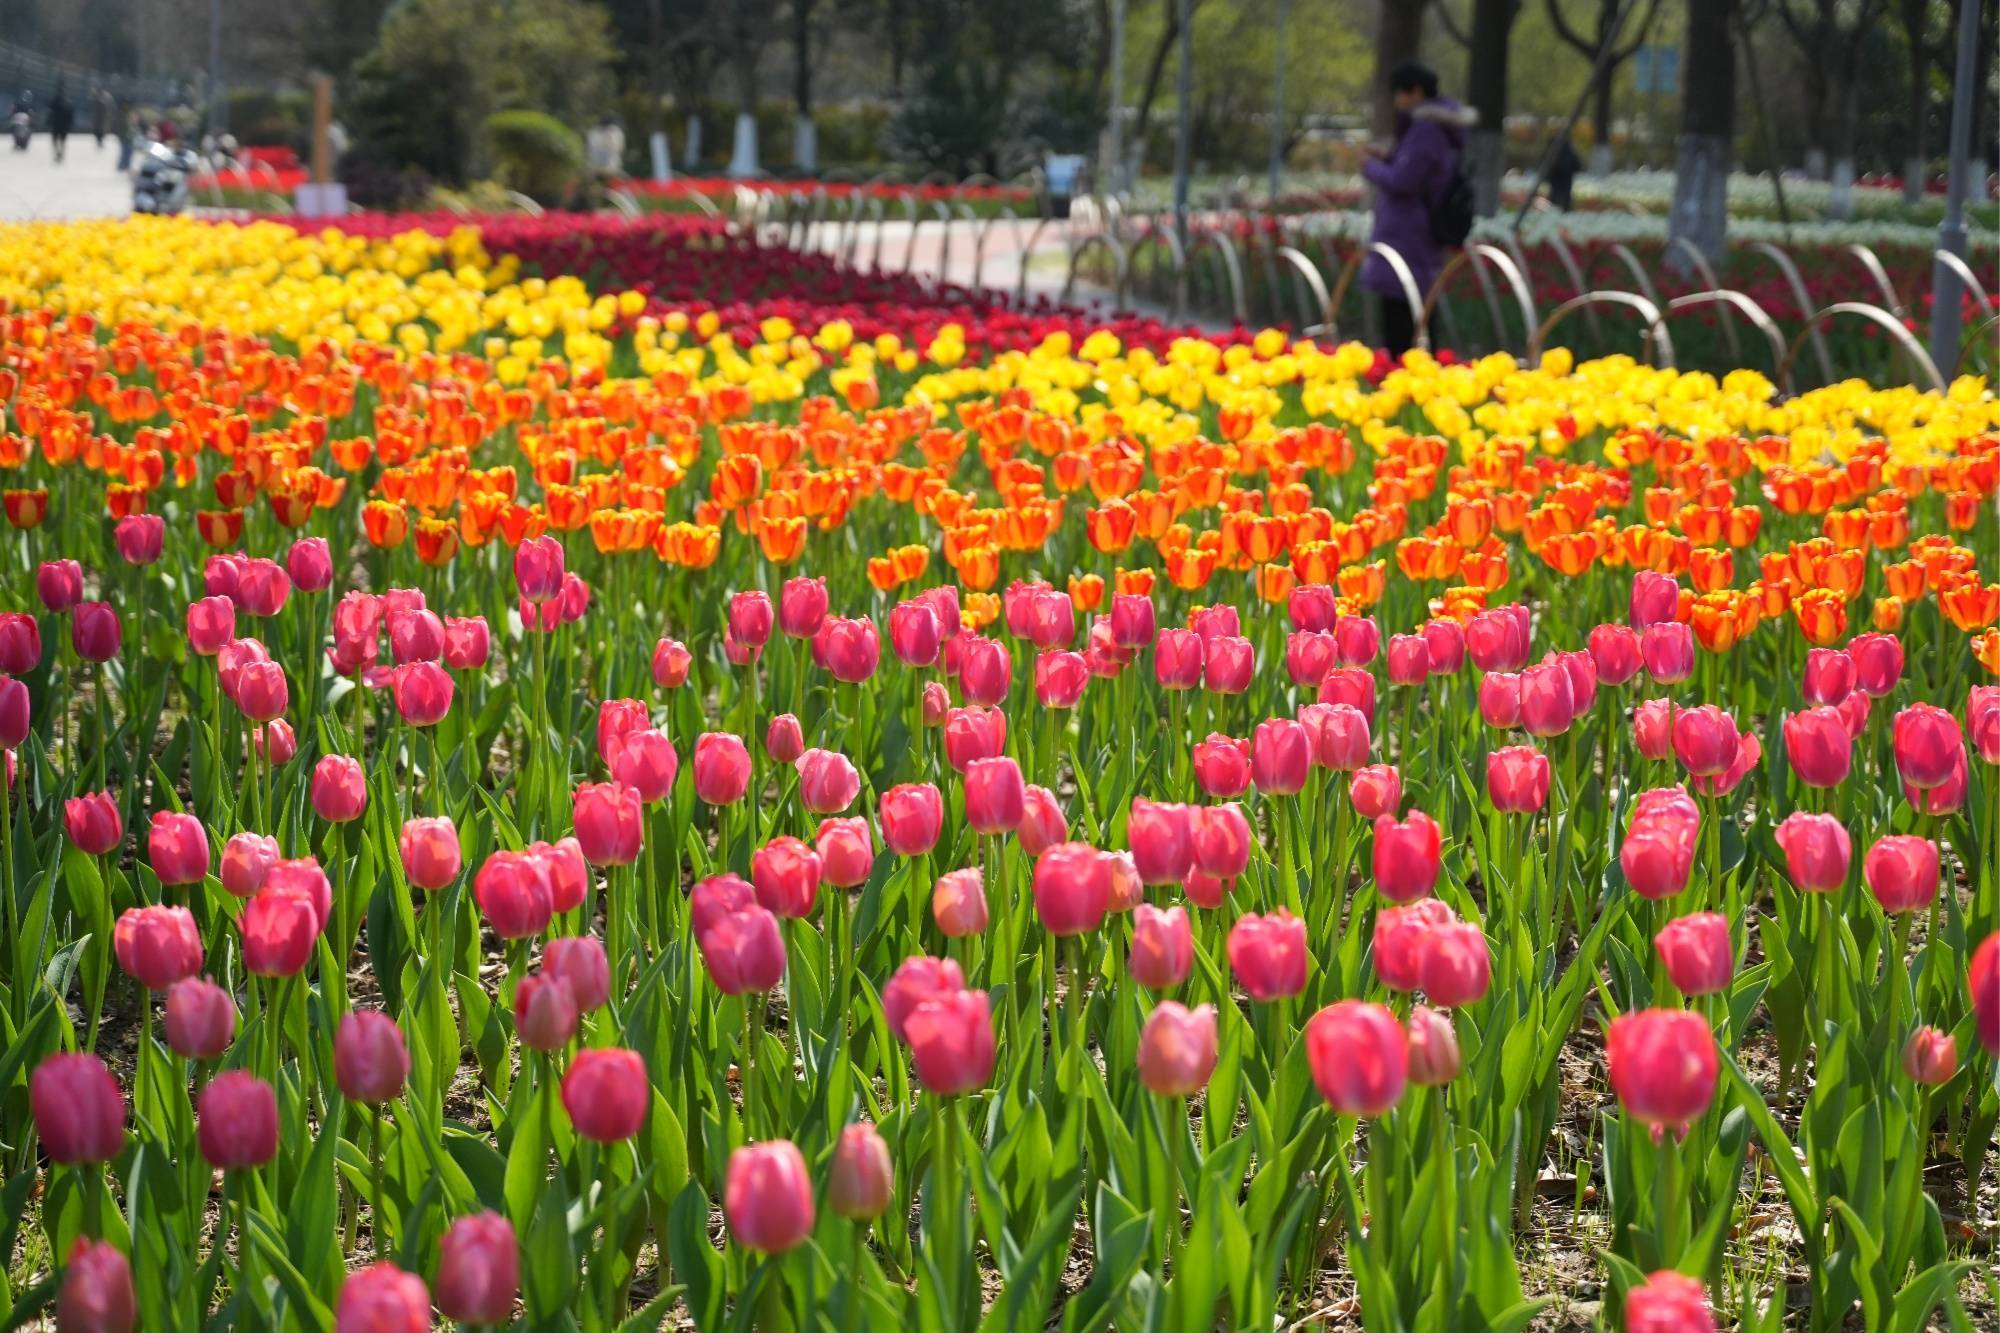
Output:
x=21 y=642
x=79 y=1111
x=1653 y=729
x=1817 y=851
x=743 y=951
x=721 y=768
x=1614 y=651
x=1444 y=640
x=1656 y=599
x=1409 y=659
x=545 y=1012
x=1358 y=639
x=1177 y=659
x=1161 y=835
x=950 y=1036
x=917 y=978
x=1878 y=663
x=1928 y=745
x=382 y=1298
x=1222 y=765
x=94 y=631
x=1162 y=949
x=768 y=1198
x=279 y=931
x=423 y=692
x=201 y=1019
x=157 y=946
x=647 y=764
x=514 y=894
x=1668 y=652
x=786 y=874
x=1902 y=872
x=958 y=903
x=275 y=741
x=1829 y=676
x=415 y=635
x=59 y=583
x=1500 y=700
x=973 y=733
x=138 y=538
x=1499 y=639
x=1351 y=686
x=912 y=817
x=1312 y=606
x=262 y=587
x=1663 y=1066
x=1268 y=955
x=538 y=569
x=784 y=739
x=849 y=650
x=1548 y=699
x=1280 y=757
x=1454 y=966
x=14 y=713
x=578 y=961
x=618 y=719
x=606 y=1094
x=309 y=563
x=609 y=823
x=96 y=1293
x=1402 y=935
x=1340 y=741
x=1517 y=779
x=562 y=863
x=93 y=823
x=914 y=634
x=1697 y=953
x=370 y=1061
x=236 y=1121
x=1407 y=855
x=995 y=795
x=1749 y=753
x=861 y=1183
x=1705 y=740
x=1818 y=747
x=177 y=848
x=828 y=781
x=1060 y=679
x=1309 y=655
x=1043 y=823
x=1432 y=1047
x=1072 y=889
x=1982 y=979
x=1177 y=1049
x=985 y=670
x=1132 y=624
x=479 y=1270
x=1930 y=1057
x=1376 y=790
x=1359 y=1057
x=1220 y=840
x=1228 y=664
x=1668 y=1302
x=802 y=607
x=671 y=661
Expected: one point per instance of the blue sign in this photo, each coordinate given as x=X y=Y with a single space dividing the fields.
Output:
x=1656 y=69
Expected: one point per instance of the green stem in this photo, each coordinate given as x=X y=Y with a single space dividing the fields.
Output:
x=379 y=1216
x=1672 y=1207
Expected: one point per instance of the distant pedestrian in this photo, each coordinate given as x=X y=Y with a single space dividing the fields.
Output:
x=1412 y=177
x=62 y=119
x=1562 y=175
x=103 y=110
x=604 y=146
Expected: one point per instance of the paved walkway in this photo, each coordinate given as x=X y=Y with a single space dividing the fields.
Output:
x=86 y=184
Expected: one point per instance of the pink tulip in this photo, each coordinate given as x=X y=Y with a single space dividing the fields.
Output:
x=828 y=781
x=1696 y=952
x=785 y=873
x=1177 y=1049
x=802 y=604
x=479 y=1270
x=846 y=852
x=200 y=1019
x=606 y=1094
x=1162 y=947
x=958 y=903
x=995 y=795
x=721 y=768
x=911 y=816
x=1358 y=1056
x=1817 y=851
x=1407 y=856
x=1071 y=888
x=1376 y=790
x=861 y=1183
x=370 y=1060
x=1268 y=955
x=1161 y=836
x=769 y=1196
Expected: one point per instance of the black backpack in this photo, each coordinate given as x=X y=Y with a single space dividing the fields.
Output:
x=1451 y=212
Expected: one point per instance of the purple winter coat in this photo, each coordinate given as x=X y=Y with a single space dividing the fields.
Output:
x=1429 y=141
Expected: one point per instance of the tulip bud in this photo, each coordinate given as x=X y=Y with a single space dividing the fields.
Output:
x=802 y=607
x=1930 y=1057
x=479 y=1270
x=1358 y=1056
x=768 y=1197
x=1433 y=1048
x=1280 y=757
x=79 y=1111
x=1407 y=856
x=538 y=569
x=92 y=823
x=310 y=564
x=784 y=741
x=1177 y=1049
x=1668 y=652
x=914 y=634
x=177 y=848
x=157 y=946
x=370 y=1061
x=1696 y=952
x=20 y=643
x=1663 y=1066
x=1162 y=950
x=1268 y=955
x=544 y=1012
x=382 y=1298
x=671 y=661
x=339 y=789
x=96 y=1293
x=1668 y=1302
x=201 y=1019
x=958 y=903
x=236 y=1121
x=862 y=1181
x=606 y=1094
x=431 y=857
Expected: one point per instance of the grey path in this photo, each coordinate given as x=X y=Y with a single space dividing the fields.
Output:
x=86 y=184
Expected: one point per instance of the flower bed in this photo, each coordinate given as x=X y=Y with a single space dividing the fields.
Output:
x=626 y=818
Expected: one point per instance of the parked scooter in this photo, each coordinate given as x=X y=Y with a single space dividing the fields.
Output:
x=160 y=182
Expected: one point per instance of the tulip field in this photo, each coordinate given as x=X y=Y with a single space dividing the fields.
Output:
x=538 y=804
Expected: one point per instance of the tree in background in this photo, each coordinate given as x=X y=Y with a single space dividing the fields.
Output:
x=1829 y=35
x=1486 y=47
x=1399 y=36
x=998 y=85
x=1604 y=34
x=1700 y=209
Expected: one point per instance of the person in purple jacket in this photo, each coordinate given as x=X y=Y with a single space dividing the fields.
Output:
x=1408 y=178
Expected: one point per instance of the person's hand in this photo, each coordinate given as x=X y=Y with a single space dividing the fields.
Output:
x=1380 y=152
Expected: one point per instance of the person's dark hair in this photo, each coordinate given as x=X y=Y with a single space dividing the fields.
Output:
x=1413 y=74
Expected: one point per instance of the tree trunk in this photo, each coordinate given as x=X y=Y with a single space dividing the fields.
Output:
x=1700 y=210
x=743 y=159
x=805 y=134
x=1155 y=68
x=1492 y=31
x=1600 y=121
x=1917 y=114
x=1399 y=32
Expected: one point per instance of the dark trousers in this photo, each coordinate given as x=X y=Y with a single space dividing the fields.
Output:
x=1399 y=325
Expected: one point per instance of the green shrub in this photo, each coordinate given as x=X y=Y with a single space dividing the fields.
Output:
x=535 y=154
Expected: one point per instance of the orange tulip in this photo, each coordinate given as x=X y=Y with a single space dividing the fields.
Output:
x=221 y=528
x=387 y=525
x=26 y=509
x=1822 y=615
x=1086 y=591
